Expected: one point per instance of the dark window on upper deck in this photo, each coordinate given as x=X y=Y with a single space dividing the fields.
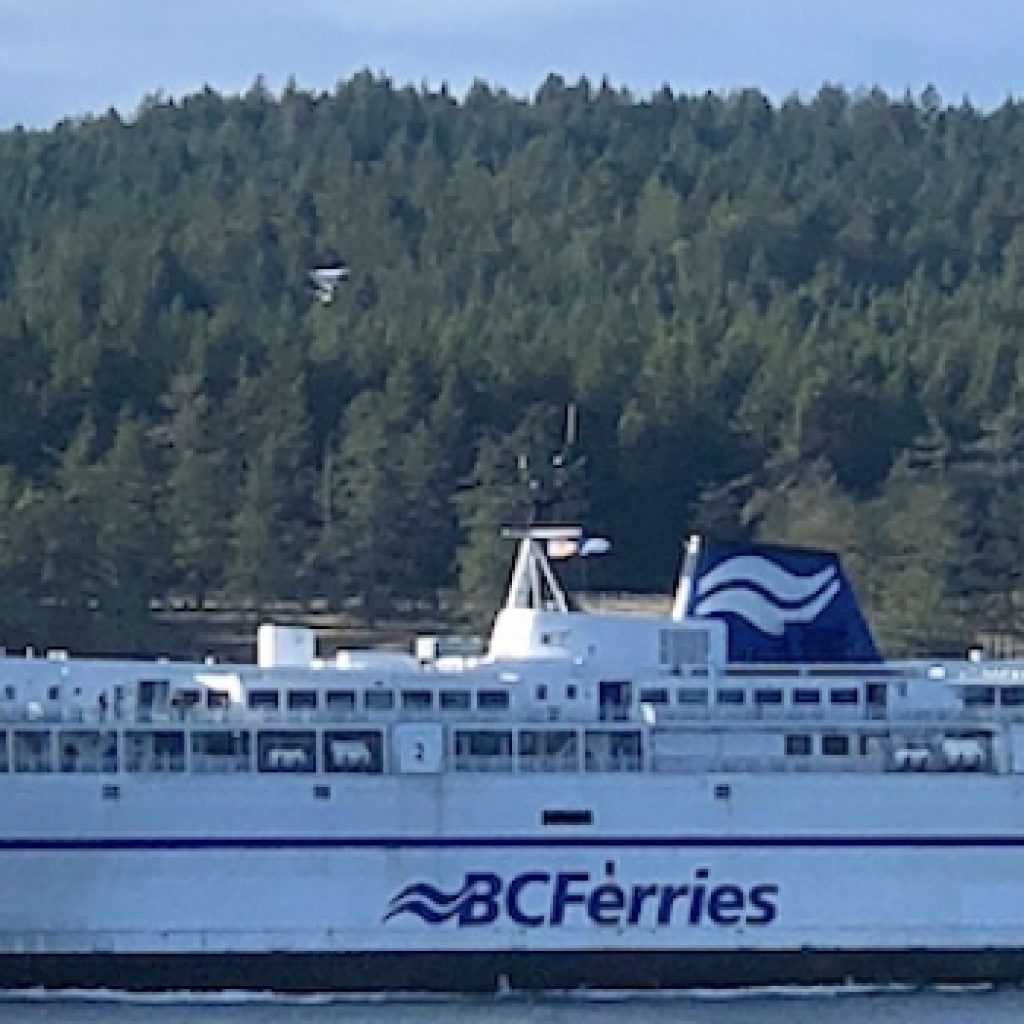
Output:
x=267 y=699
x=302 y=699
x=341 y=701
x=379 y=700
x=799 y=745
x=688 y=695
x=835 y=746
x=417 y=700
x=772 y=696
x=979 y=696
x=492 y=700
x=730 y=697
x=801 y=696
x=654 y=695
x=1011 y=696
x=846 y=695
x=455 y=700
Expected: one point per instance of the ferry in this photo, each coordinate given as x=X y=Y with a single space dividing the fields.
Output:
x=738 y=792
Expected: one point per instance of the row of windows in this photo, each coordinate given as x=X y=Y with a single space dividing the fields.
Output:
x=293 y=750
x=615 y=749
x=985 y=696
x=765 y=697
x=380 y=700
x=832 y=745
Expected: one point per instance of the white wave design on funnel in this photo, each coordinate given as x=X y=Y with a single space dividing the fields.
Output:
x=761 y=613
x=755 y=570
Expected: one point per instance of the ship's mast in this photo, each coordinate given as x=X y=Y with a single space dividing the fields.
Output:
x=534 y=584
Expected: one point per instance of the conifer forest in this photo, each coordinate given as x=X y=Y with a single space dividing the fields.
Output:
x=801 y=321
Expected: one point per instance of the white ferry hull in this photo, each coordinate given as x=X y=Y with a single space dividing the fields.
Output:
x=261 y=884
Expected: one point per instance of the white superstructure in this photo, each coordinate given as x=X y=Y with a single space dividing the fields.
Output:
x=594 y=800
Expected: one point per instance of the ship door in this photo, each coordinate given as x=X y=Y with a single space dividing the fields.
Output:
x=876 y=699
x=152 y=695
x=614 y=698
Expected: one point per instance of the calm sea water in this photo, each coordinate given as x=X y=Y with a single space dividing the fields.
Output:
x=978 y=1006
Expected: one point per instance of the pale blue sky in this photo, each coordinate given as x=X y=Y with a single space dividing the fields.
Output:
x=63 y=58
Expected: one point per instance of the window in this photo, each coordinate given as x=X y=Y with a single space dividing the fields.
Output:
x=53 y=693
x=455 y=700
x=302 y=699
x=341 y=701
x=541 y=692
x=612 y=751
x=763 y=697
x=86 y=750
x=567 y=817
x=160 y=751
x=32 y=752
x=220 y=750
x=979 y=696
x=730 y=697
x=286 y=751
x=379 y=700
x=549 y=749
x=692 y=696
x=835 y=746
x=492 y=700
x=10 y=693
x=806 y=697
x=353 y=751
x=798 y=746
x=571 y=691
x=844 y=695
x=484 y=743
x=267 y=699
x=654 y=695
x=417 y=700
x=183 y=699
x=1011 y=696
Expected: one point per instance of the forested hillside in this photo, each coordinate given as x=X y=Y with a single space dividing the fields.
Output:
x=799 y=321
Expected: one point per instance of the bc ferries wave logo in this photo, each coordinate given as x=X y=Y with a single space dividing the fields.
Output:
x=537 y=899
x=431 y=904
x=769 y=597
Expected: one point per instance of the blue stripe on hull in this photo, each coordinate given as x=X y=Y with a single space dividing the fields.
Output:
x=654 y=842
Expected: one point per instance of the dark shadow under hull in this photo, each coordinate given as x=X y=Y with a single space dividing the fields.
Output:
x=504 y=971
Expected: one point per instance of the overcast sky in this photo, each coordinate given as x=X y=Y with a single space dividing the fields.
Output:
x=61 y=58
